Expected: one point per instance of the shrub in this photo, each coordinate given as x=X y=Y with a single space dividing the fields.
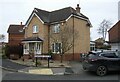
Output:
x=14 y=50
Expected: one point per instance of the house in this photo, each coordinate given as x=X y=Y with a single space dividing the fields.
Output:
x=114 y=36
x=41 y=24
x=92 y=46
x=99 y=43
x=15 y=34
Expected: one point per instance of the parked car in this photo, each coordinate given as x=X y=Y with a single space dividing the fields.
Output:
x=102 y=62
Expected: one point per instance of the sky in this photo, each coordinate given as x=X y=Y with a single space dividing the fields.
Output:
x=16 y=11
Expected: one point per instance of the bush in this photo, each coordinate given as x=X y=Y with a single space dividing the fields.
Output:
x=4 y=57
x=14 y=50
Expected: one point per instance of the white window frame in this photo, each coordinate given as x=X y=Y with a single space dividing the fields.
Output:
x=56 y=28
x=35 y=29
x=37 y=48
x=26 y=48
x=54 y=48
x=92 y=47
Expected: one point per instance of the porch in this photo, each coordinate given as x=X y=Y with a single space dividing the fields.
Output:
x=32 y=46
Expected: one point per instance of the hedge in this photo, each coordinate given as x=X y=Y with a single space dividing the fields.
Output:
x=14 y=50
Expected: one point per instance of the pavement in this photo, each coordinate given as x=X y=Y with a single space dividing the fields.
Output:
x=28 y=66
x=32 y=73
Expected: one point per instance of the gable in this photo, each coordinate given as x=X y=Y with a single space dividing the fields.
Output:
x=117 y=25
x=114 y=33
x=31 y=17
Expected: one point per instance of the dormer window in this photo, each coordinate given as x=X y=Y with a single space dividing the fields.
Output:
x=56 y=28
x=35 y=29
x=21 y=30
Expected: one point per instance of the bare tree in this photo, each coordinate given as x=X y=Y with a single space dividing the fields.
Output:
x=103 y=28
x=2 y=37
x=65 y=37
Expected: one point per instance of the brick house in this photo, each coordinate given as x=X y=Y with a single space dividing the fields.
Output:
x=114 y=36
x=15 y=34
x=42 y=23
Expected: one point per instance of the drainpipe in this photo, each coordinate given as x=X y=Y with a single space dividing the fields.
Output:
x=48 y=37
x=73 y=37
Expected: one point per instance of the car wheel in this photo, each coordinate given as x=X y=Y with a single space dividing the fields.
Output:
x=101 y=70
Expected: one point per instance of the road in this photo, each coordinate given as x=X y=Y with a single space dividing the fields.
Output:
x=11 y=65
x=83 y=75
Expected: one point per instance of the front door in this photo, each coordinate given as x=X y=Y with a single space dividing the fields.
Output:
x=35 y=48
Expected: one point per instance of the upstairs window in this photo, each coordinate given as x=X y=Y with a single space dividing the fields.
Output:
x=56 y=28
x=35 y=29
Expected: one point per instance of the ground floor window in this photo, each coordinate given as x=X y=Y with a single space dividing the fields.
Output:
x=92 y=47
x=32 y=48
x=56 y=47
x=26 y=48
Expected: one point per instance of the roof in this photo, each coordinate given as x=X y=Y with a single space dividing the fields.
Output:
x=16 y=29
x=57 y=15
x=118 y=23
x=101 y=40
x=32 y=39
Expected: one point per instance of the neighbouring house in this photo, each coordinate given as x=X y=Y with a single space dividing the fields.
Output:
x=101 y=44
x=92 y=46
x=41 y=24
x=14 y=49
x=114 y=36
x=15 y=34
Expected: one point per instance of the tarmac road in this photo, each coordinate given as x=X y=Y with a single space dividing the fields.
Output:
x=80 y=74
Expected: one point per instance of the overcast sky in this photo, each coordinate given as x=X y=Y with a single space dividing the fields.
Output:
x=16 y=11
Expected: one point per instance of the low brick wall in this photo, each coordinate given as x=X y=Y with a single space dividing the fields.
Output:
x=67 y=57
x=26 y=56
x=14 y=56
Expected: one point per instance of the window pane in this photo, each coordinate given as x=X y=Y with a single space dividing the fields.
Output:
x=52 y=47
x=59 y=47
x=56 y=47
x=56 y=28
x=35 y=29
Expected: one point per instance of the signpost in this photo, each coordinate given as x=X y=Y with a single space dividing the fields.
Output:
x=43 y=56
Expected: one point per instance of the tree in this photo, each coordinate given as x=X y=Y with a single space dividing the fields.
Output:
x=103 y=28
x=2 y=37
x=65 y=37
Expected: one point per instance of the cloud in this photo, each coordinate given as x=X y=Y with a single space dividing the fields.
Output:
x=15 y=11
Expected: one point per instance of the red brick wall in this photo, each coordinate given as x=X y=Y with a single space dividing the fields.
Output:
x=15 y=39
x=67 y=57
x=114 y=33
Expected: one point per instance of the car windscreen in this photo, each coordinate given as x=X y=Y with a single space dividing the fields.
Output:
x=118 y=54
x=90 y=55
x=109 y=55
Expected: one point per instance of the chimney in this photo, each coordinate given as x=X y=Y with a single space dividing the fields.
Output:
x=20 y=23
x=78 y=8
